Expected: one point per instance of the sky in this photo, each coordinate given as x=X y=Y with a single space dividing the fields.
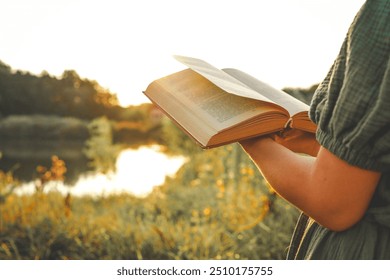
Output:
x=125 y=45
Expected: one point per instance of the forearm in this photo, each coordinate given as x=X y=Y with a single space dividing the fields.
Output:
x=326 y=188
x=286 y=171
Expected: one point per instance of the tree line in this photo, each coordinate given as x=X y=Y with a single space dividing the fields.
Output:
x=22 y=93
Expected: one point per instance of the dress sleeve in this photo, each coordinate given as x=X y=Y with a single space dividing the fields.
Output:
x=352 y=105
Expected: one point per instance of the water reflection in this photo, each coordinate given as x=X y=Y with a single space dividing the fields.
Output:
x=113 y=170
x=136 y=172
x=24 y=155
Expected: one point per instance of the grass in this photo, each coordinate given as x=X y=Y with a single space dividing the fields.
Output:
x=215 y=208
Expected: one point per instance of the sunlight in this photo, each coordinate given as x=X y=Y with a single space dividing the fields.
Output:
x=137 y=172
x=140 y=170
x=125 y=45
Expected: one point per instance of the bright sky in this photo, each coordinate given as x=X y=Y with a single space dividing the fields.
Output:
x=124 y=45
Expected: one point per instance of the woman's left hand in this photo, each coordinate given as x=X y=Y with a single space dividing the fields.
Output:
x=298 y=141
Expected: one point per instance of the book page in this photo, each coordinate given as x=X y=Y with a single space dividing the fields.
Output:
x=290 y=103
x=207 y=102
x=239 y=83
x=221 y=79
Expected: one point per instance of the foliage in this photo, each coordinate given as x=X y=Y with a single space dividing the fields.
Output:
x=7 y=185
x=175 y=140
x=43 y=127
x=217 y=207
x=139 y=128
x=303 y=94
x=125 y=227
x=99 y=148
x=56 y=173
x=69 y=95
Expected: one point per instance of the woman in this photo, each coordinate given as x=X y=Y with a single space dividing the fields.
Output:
x=344 y=189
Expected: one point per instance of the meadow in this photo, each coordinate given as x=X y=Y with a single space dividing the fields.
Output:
x=216 y=207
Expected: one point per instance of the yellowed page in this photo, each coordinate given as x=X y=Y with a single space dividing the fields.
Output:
x=221 y=78
x=195 y=126
x=290 y=103
x=212 y=104
x=239 y=83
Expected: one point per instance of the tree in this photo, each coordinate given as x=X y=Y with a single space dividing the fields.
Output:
x=4 y=68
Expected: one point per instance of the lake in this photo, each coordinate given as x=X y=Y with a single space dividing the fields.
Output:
x=135 y=171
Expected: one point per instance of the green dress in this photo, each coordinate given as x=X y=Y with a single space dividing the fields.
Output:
x=352 y=110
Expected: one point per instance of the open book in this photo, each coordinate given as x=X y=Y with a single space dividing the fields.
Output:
x=217 y=107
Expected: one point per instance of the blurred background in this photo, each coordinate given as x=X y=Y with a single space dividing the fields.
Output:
x=89 y=169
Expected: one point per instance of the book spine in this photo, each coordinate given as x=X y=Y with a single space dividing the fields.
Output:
x=289 y=123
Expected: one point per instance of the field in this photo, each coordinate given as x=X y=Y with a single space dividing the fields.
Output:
x=216 y=207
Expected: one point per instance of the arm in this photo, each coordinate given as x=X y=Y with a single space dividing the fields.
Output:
x=326 y=188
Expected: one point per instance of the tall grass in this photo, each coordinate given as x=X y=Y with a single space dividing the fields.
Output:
x=215 y=208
